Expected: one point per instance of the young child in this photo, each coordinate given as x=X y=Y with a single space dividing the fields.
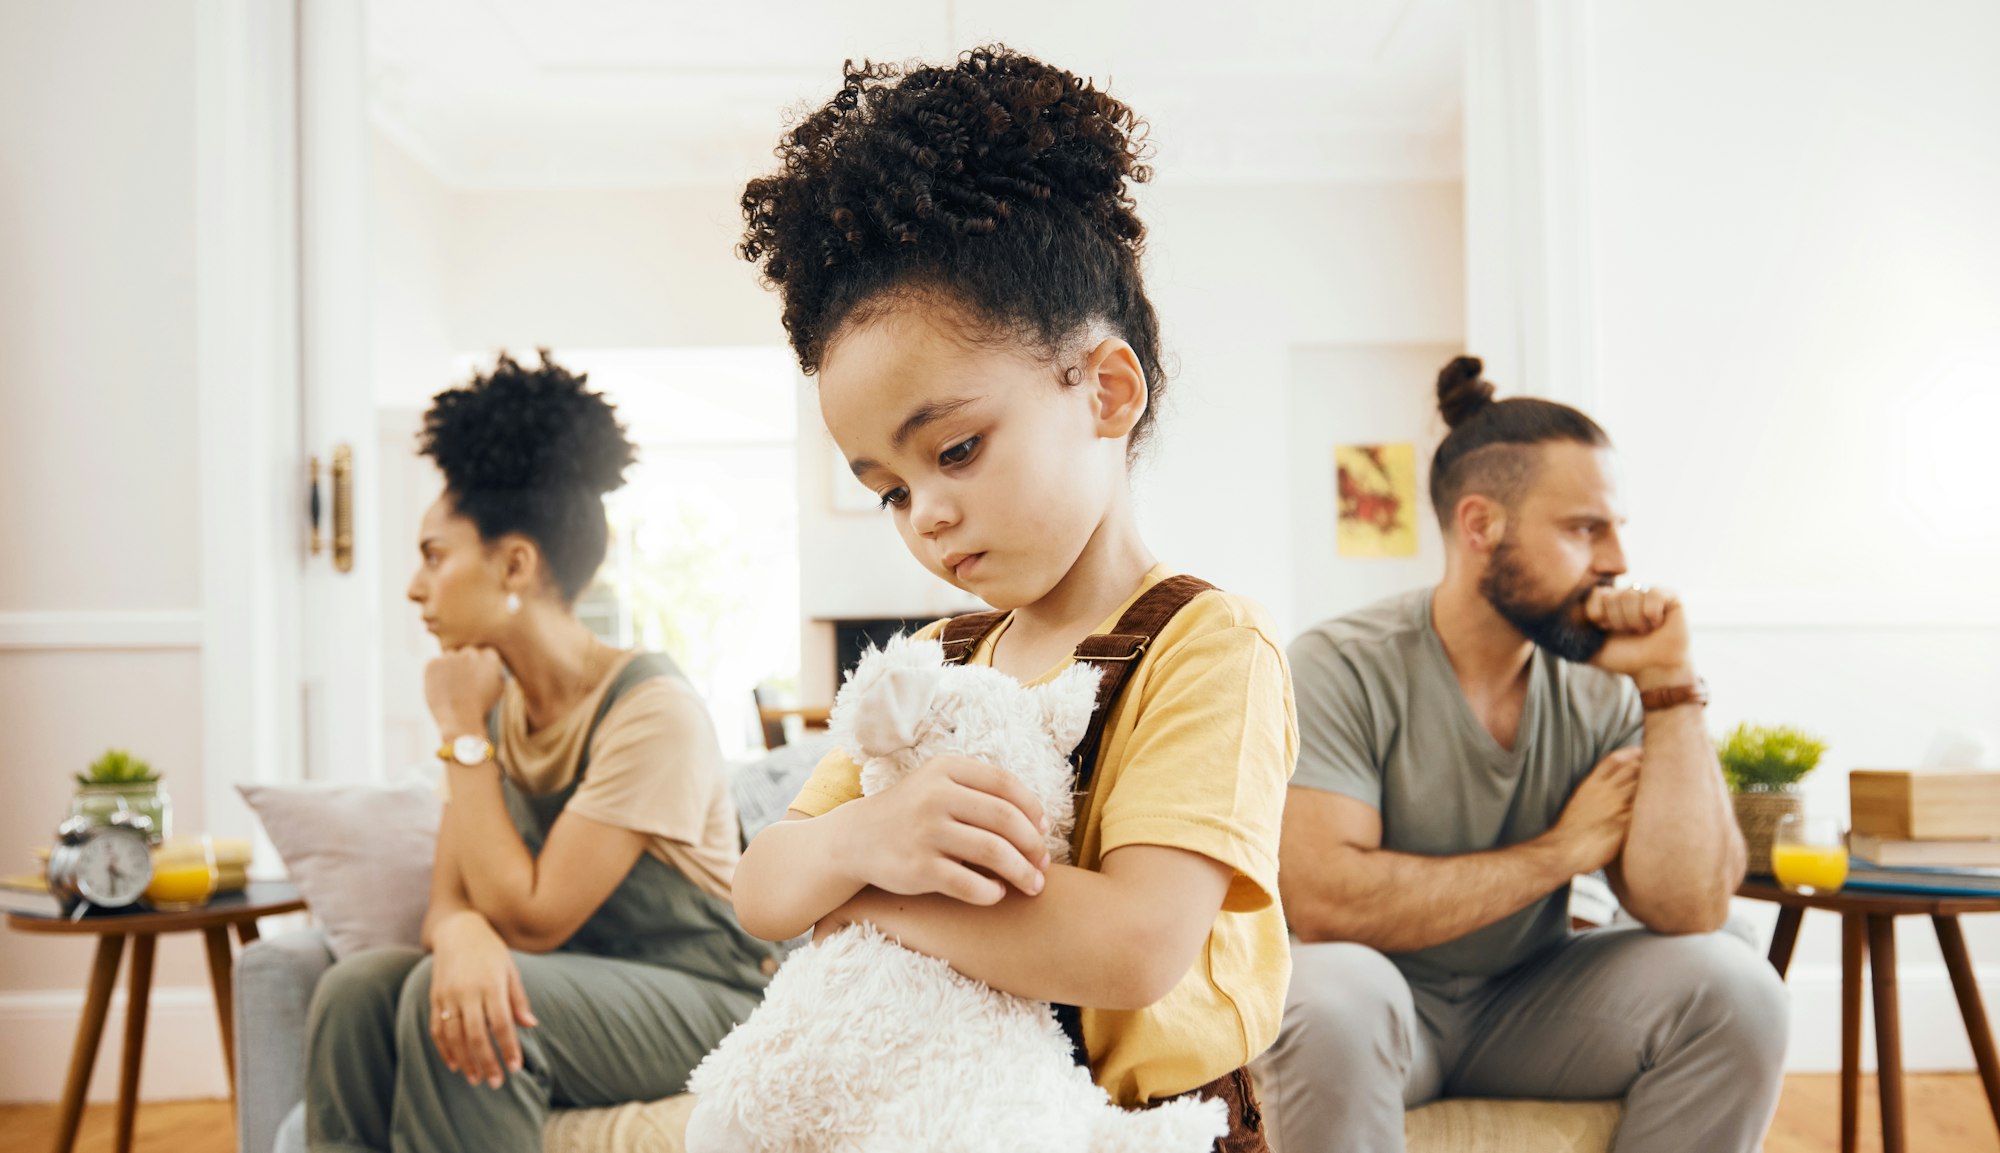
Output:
x=958 y=255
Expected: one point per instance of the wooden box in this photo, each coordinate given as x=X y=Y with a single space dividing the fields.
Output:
x=1934 y=805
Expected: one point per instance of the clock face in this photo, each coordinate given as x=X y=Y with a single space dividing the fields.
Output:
x=113 y=867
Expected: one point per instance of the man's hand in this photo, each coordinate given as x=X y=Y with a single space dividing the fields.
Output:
x=1593 y=825
x=1649 y=635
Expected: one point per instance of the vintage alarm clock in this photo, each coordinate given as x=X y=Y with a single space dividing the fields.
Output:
x=106 y=866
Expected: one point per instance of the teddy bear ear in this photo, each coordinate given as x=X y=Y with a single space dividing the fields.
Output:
x=1066 y=703
x=887 y=717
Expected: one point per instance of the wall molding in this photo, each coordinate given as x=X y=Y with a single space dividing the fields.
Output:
x=101 y=631
x=183 y=1046
x=1933 y=1032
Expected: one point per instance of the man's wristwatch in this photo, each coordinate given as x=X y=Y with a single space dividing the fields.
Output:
x=467 y=750
x=1673 y=696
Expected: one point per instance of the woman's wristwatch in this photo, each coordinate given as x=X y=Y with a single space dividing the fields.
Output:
x=467 y=750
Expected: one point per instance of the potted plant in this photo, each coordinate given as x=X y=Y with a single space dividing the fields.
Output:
x=1764 y=765
x=120 y=780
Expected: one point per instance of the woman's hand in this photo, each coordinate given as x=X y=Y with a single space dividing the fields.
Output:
x=461 y=687
x=953 y=826
x=476 y=1000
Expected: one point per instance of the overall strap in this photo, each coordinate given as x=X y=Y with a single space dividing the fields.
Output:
x=642 y=667
x=1116 y=653
x=962 y=636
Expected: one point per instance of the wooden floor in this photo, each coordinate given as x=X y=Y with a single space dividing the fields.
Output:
x=1947 y=1115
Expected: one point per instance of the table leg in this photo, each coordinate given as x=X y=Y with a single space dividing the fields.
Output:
x=96 y=1003
x=135 y=1037
x=1888 y=1028
x=1957 y=961
x=246 y=931
x=1786 y=936
x=1853 y=947
x=220 y=958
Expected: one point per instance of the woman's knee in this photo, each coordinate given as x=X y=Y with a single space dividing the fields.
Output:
x=365 y=986
x=413 y=1009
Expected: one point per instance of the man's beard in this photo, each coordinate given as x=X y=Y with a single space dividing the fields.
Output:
x=1562 y=628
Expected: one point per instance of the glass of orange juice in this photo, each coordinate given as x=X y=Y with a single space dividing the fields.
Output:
x=184 y=875
x=1809 y=854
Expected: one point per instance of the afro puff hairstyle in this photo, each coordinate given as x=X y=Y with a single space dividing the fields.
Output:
x=529 y=450
x=999 y=184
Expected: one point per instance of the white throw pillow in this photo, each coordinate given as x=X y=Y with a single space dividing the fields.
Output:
x=360 y=855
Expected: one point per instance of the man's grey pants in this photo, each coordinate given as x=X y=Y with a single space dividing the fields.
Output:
x=611 y=1031
x=1690 y=1031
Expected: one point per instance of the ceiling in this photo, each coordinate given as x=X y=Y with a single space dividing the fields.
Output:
x=493 y=94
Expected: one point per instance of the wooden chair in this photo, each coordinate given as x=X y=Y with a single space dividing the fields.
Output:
x=771 y=714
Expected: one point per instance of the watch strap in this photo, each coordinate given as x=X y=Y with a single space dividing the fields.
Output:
x=1674 y=696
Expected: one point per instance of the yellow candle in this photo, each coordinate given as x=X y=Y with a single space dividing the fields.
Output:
x=181 y=883
x=1810 y=868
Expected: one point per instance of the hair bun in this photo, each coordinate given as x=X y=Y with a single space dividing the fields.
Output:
x=526 y=427
x=1462 y=392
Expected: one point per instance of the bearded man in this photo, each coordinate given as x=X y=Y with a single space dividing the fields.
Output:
x=1464 y=752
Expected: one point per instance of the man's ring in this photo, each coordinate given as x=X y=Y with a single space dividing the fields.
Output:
x=446 y=1014
x=1642 y=590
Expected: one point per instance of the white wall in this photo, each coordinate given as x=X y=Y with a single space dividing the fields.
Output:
x=1793 y=328
x=1242 y=275
x=100 y=591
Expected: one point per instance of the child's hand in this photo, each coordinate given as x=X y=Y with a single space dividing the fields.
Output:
x=954 y=826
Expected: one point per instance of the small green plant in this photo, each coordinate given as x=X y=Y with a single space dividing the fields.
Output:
x=118 y=767
x=1767 y=758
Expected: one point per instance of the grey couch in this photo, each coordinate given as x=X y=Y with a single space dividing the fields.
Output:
x=275 y=978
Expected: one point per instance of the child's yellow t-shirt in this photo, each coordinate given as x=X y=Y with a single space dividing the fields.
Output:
x=1196 y=756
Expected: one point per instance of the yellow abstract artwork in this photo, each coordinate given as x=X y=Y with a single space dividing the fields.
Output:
x=1377 y=499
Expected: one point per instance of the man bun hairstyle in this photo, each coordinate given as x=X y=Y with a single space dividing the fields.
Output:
x=997 y=184
x=1490 y=447
x=529 y=450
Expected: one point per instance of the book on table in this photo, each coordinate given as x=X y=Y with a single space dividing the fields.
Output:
x=1893 y=852
x=1958 y=882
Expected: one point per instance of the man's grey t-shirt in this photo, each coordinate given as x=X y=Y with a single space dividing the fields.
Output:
x=1382 y=720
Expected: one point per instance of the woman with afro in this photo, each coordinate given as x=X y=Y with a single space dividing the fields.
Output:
x=958 y=253
x=580 y=946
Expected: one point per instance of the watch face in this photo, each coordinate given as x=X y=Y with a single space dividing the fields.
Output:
x=469 y=750
x=113 y=867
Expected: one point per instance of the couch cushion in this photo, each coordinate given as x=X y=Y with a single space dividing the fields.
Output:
x=1467 y=1125
x=360 y=855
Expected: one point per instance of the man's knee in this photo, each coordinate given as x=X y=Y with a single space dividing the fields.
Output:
x=1348 y=998
x=1734 y=996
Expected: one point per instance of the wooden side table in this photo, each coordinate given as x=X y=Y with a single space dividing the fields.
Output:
x=213 y=921
x=1868 y=929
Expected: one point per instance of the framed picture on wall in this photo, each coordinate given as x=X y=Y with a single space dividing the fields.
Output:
x=1376 y=499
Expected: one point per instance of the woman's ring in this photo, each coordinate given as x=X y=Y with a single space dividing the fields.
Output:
x=446 y=1014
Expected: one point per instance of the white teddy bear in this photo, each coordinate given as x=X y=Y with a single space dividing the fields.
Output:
x=862 y=1046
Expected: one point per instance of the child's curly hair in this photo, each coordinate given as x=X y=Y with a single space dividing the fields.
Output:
x=999 y=183
x=528 y=449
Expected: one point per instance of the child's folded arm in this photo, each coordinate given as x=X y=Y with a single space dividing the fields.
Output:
x=953 y=827
x=1118 y=938
x=787 y=879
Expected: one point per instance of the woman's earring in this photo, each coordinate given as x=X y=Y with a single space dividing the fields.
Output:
x=513 y=602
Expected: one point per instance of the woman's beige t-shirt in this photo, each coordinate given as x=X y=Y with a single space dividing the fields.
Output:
x=655 y=768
